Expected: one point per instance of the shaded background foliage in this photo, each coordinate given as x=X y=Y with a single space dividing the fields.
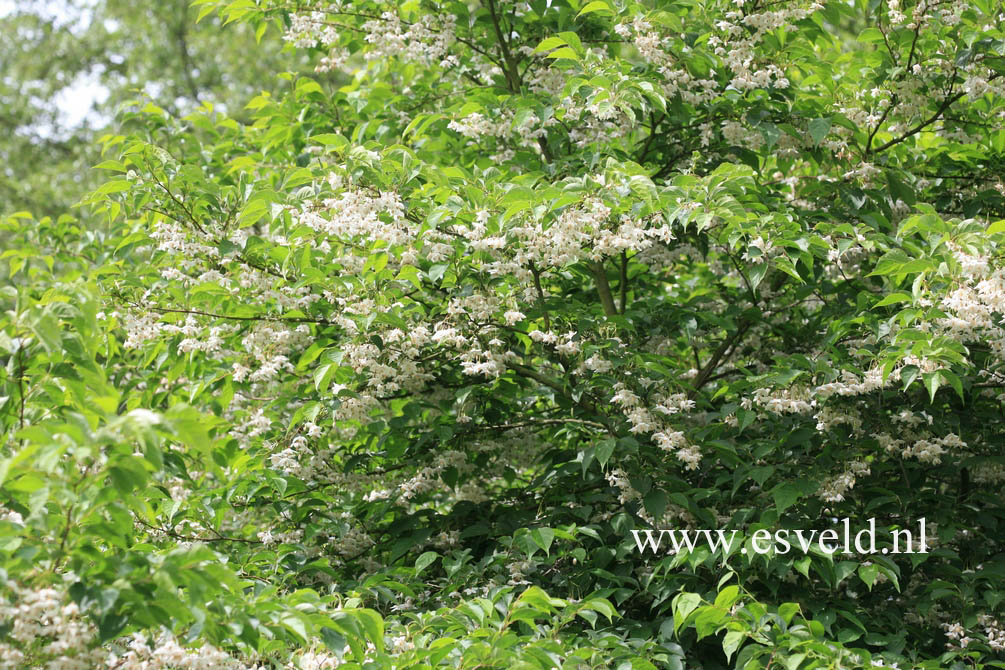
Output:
x=69 y=65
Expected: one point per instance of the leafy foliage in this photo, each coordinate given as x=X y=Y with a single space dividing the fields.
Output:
x=386 y=373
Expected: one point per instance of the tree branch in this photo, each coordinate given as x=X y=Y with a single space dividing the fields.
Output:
x=946 y=103
x=623 y=281
x=540 y=295
x=509 y=65
x=603 y=288
x=718 y=356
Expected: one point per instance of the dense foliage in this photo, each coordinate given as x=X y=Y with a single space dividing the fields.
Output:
x=384 y=370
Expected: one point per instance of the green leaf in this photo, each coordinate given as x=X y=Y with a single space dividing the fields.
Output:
x=932 y=382
x=436 y=272
x=727 y=596
x=842 y=570
x=771 y=134
x=549 y=43
x=564 y=52
x=898 y=262
x=118 y=166
x=870 y=35
x=785 y=495
x=595 y=6
x=335 y=140
x=708 y=620
x=604 y=450
x=954 y=381
x=893 y=299
x=46 y=328
x=731 y=642
x=425 y=560
x=819 y=129
x=410 y=274
x=376 y=262
x=110 y=625
x=655 y=503
x=323 y=376
x=373 y=624
x=114 y=186
x=868 y=574
x=306 y=85
x=682 y=606
x=602 y=606
x=295 y=623
x=543 y=537
x=334 y=640
x=899 y=190
x=908 y=374
x=787 y=611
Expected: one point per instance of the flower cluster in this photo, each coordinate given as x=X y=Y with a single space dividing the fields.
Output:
x=46 y=631
x=834 y=488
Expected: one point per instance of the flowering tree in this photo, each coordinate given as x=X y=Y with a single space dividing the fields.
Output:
x=386 y=377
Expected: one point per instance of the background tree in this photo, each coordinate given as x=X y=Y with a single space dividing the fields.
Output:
x=62 y=55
